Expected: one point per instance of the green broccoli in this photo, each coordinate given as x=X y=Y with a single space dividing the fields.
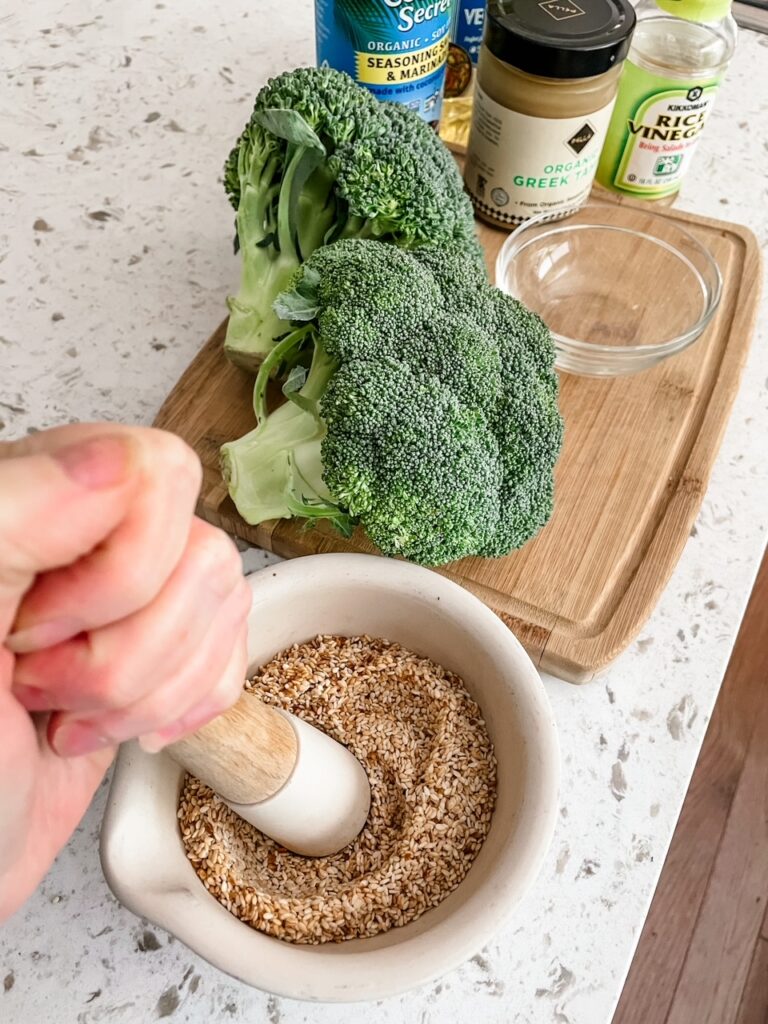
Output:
x=429 y=418
x=405 y=458
x=320 y=159
x=526 y=421
x=402 y=184
x=275 y=470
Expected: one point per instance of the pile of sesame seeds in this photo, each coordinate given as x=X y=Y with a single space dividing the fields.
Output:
x=424 y=745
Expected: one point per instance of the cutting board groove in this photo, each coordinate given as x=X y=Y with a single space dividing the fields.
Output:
x=637 y=458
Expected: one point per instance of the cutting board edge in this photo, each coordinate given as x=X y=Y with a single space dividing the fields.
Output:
x=580 y=660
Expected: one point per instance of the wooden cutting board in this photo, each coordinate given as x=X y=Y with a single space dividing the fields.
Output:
x=635 y=465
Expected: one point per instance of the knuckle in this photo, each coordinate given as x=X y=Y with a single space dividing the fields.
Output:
x=230 y=685
x=111 y=685
x=228 y=692
x=180 y=456
x=231 y=626
x=216 y=554
x=240 y=668
x=243 y=601
x=167 y=456
x=191 y=468
x=138 y=584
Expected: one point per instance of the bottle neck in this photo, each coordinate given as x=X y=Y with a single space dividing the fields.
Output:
x=676 y=47
x=696 y=10
x=704 y=14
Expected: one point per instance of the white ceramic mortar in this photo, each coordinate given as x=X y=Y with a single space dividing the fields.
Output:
x=141 y=849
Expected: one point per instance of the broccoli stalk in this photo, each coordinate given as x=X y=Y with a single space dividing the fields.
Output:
x=283 y=213
x=276 y=470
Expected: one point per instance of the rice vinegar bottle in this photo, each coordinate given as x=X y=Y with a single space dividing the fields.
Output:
x=677 y=60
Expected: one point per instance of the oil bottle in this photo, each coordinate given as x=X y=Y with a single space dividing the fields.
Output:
x=677 y=60
x=461 y=72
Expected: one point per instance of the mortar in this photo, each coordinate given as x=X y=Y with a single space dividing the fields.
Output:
x=141 y=849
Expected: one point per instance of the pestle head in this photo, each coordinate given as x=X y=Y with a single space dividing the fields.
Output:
x=324 y=803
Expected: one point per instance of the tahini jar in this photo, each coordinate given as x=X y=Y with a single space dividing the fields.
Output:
x=546 y=84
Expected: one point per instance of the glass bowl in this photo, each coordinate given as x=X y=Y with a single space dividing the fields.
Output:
x=621 y=288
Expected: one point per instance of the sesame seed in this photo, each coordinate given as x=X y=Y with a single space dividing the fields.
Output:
x=423 y=742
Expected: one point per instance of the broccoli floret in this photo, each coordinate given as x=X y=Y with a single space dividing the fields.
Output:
x=459 y=272
x=278 y=180
x=419 y=470
x=526 y=420
x=402 y=184
x=362 y=296
x=373 y=300
x=321 y=159
x=436 y=430
x=385 y=446
x=462 y=355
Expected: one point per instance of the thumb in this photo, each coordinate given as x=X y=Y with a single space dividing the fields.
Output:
x=58 y=504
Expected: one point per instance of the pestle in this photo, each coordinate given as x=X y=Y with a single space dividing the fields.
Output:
x=288 y=779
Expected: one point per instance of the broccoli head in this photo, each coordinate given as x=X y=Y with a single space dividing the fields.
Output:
x=402 y=184
x=406 y=459
x=430 y=421
x=526 y=421
x=320 y=159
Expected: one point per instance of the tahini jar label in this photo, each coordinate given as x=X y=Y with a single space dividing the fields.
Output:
x=519 y=166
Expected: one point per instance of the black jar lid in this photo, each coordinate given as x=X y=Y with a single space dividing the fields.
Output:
x=560 y=38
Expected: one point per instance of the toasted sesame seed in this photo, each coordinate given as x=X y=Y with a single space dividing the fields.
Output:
x=430 y=762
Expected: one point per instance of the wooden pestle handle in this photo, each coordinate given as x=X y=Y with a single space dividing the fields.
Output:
x=245 y=755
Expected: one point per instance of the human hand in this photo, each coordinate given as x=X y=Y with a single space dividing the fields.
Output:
x=121 y=615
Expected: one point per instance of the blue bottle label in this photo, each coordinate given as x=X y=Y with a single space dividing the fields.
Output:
x=469 y=27
x=395 y=48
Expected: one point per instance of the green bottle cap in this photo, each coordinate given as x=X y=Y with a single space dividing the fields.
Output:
x=696 y=10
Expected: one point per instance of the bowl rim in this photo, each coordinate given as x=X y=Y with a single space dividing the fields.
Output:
x=308 y=972
x=630 y=355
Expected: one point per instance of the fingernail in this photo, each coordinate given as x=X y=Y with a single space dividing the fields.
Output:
x=33 y=699
x=152 y=742
x=98 y=462
x=44 y=634
x=73 y=739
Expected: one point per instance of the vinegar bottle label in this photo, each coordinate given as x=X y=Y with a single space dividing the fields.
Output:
x=654 y=132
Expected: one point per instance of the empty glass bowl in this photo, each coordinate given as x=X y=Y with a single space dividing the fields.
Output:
x=621 y=288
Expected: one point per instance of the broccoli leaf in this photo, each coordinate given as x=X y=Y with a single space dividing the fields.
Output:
x=291 y=126
x=299 y=302
x=295 y=380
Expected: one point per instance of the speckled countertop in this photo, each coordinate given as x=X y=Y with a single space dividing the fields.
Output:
x=115 y=257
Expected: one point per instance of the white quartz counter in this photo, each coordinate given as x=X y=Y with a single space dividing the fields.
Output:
x=115 y=258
